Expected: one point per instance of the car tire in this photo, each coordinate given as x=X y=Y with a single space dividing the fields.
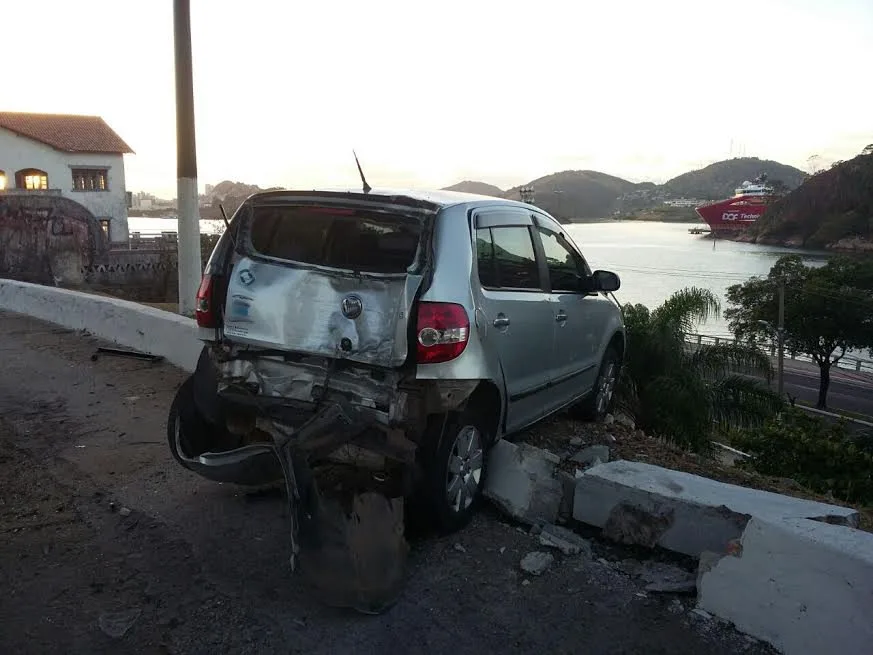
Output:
x=599 y=402
x=454 y=468
x=188 y=429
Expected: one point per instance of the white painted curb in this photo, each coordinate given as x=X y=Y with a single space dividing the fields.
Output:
x=803 y=586
x=125 y=323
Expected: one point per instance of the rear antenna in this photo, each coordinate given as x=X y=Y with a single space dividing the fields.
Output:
x=367 y=187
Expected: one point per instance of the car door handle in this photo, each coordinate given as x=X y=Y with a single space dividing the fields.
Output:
x=501 y=322
x=561 y=316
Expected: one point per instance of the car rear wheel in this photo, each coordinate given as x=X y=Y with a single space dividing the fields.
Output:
x=454 y=468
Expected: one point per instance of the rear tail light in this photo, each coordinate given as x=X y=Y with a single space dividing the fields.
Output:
x=443 y=330
x=203 y=307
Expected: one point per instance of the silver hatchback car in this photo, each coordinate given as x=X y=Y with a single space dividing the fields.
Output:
x=400 y=333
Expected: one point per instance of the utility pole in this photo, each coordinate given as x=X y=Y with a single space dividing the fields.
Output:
x=780 y=336
x=186 y=163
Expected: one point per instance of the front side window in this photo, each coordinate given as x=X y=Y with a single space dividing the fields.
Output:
x=90 y=179
x=31 y=179
x=506 y=258
x=566 y=266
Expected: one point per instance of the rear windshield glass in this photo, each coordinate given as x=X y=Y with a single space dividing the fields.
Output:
x=350 y=239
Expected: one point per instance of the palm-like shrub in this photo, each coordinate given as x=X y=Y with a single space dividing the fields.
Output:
x=684 y=392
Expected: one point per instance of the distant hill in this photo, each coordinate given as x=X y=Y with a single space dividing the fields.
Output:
x=832 y=209
x=719 y=180
x=230 y=195
x=481 y=188
x=577 y=194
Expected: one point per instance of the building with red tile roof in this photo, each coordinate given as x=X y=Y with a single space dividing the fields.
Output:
x=78 y=157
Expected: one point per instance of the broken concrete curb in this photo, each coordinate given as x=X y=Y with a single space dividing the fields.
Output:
x=636 y=503
x=804 y=586
x=567 y=541
x=521 y=481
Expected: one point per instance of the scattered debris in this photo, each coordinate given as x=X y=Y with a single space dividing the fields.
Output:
x=667 y=579
x=703 y=614
x=116 y=624
x=609 y=419
x=124 y=511
x=575 y=442
x=536 y=562
x=625 y=421
x=592 y=455
x=460 y=548
x=121 y=352
x=502 y=549
x=567 y=541
x=525 y=582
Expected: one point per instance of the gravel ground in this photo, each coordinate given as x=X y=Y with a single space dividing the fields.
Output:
x=109 y=546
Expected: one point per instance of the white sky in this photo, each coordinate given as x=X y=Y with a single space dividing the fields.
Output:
x=430 y=94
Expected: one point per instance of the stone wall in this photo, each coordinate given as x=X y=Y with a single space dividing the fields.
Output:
x=47 y=239
x=51 y=240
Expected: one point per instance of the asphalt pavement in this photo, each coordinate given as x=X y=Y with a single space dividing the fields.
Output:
x=108 y=546
x=848 y=392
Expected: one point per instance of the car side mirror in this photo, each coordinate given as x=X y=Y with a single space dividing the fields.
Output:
x=604 y=281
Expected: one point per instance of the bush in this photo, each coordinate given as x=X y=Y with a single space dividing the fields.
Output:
x=819 y=455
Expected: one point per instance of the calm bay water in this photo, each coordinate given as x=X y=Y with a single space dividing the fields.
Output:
x=656 y=259
x=652 y=259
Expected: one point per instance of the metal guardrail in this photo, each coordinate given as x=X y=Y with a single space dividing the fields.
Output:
x=846 y=363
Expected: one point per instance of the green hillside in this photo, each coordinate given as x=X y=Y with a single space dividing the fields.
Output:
x=832 y=209
x=719 y=180
x=577 y=194
x=480 y=188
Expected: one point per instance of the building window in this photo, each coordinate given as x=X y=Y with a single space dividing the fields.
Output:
x=31 y=179
x=104 y=225
x=90 y=179
x=2 y=180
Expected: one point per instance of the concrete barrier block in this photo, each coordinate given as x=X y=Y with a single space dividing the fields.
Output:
x=521 y=481
x=805 y=587
x=122 y=322
x=648 y=505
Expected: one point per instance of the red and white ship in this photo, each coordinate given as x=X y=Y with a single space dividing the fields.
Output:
x=738 y=212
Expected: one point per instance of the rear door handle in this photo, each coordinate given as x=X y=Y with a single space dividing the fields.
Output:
x=501 y=321
x=561 y=316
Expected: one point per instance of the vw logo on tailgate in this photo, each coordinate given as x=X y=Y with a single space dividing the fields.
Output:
x=352 y=306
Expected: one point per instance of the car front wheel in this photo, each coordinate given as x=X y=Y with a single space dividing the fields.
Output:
x=599 y=402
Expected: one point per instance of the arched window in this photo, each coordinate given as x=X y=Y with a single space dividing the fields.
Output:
x=31 y=179
x=2 y=179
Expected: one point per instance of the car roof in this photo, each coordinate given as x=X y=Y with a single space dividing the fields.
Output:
x=439 y=198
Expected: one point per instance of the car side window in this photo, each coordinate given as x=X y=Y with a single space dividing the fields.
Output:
x=566 y=266
x=506 y=258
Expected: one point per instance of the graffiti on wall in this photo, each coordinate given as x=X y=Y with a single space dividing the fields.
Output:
x=47 y=239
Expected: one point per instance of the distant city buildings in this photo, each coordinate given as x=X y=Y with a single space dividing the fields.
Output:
x=78 y=157
x=683 y=202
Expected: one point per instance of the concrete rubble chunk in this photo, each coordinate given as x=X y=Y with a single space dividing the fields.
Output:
x=116 y=624
x=626 y=421
x=537 y=562
x=639 y=503
x=801 y=585
x=567 y=541
x=592 y=455
x=521 y=481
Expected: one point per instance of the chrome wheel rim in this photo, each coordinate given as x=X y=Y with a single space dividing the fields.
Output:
x=606 y=388
x=465 y=468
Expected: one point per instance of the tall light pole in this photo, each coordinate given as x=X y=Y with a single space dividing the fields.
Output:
x=779 y=333
x=186 y=163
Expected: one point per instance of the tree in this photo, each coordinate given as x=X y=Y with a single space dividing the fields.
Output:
x=828 y=310
x=868 y=149
x=680 y=392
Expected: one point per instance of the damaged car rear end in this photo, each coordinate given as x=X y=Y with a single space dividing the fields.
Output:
x=314 y=313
